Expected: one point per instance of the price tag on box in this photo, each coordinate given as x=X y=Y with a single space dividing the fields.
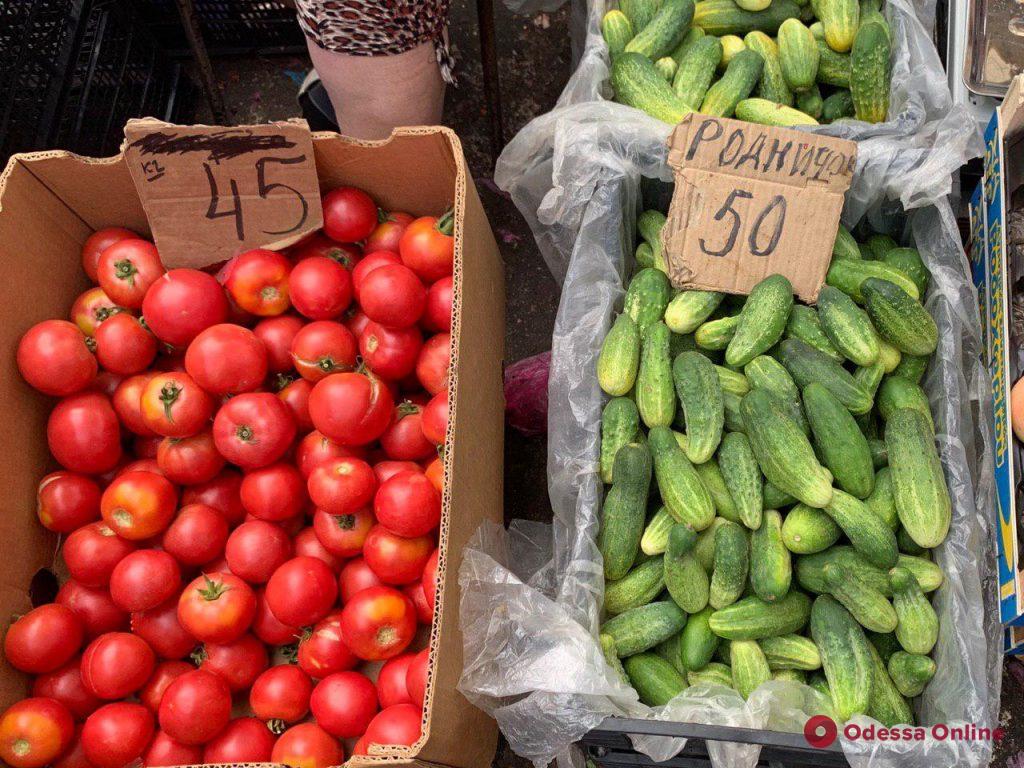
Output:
x=753 y=200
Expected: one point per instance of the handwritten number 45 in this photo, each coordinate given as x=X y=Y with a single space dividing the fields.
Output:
x=776 y=204
x=263 y=189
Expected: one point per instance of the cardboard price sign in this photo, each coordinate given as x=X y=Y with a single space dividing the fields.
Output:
x=211 y=192
x=753 y=200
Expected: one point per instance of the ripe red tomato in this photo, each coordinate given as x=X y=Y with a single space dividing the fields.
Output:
x=322 y=652
x=356 y=576
x=295 y=394
x=174 y=405
x=239 y=662
x=257 y=281
x=301 y=591
x=189 y=460
x=433 y=363
x=83 y=434
x=124 y=346
x=356 y=321
x=91 y=308
x=221 y=493
x=277 y=334
x=275 y=492
x=343 y=535
x=391 y=353
x=227 y=359
x=404 y=440
x=350 y=215
x=92 y=551
x=429 y=580
x=280 y=695
x=255 y=549
x=416 y=678
x=106 y=383
x=116 y=665
x=66 y=501
x=371 y=261
x=195 y=707
x=160 y=628
x=139 y=465
x=428 y=246
x=197 y=535
x=315 y=448
x=388 y=232
x=435 y=418
x=391 y=688
x=217 y=608
x=165 y=673
x=45 y=638
x=351 y=408
x=74 y=755
x=396 y=559
x=126 y=270
x=378 y=623
x=183 y=303
x=116 y=734
x=346 y=254
x=165 y=751
x=321 y=289
x=424 y=610
x=393 y=296
x=342 y=486
x=435 y=474
x=307 y=745
x=97 y=243
x=65 y=685
x=437 y=316
x=385 y=470
x=253 y=430
x=408 y=505
x=144 y=579
x=127 y=402
x=93 y=606
x=35 y=732
x=323 y=347
x=268 y=628
x=139 y=505
x=400 y=724
x=243 y=740
x=344 y=703
x=308 y=545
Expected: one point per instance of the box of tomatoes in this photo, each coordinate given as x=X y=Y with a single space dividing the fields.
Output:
x=252 y=413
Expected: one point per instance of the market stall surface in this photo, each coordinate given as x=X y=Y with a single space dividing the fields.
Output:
x=534 y=64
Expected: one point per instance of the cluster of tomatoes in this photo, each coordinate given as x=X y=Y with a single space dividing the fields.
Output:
x=249 y=501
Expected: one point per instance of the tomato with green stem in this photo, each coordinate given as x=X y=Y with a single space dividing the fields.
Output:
x=323 y=347
x=343 y=535
x=54 y=357
x=404 y=439
x=280 y=696
x=43 y=639
x=217 y=608
x=91 y=308
x=124 y=345
x=345 y=254
x=388 y=232
x=428 y=246
x=35 y=732
x=127 y=269
x=175 y=405
x=97 y=243
x=189 y=460
x=253 y=430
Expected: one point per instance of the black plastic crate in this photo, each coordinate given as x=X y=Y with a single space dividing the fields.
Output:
x=229 y=27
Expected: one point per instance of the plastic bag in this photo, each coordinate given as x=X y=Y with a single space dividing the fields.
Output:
x=532 y=596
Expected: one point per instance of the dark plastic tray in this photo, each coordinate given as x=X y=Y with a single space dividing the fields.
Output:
x=229 y=27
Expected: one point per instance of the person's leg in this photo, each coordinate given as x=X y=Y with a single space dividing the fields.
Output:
x=374 y=94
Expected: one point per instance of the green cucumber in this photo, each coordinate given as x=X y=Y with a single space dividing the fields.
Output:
x=623 y=513
x=705 y=548
x=761 y=321
x=899 y=317
x=619 y=359
x=773 y=85
x=898 y=392
x=918 y=627
x=907 y=544
x=771 y=570
x=741 y=75
x=798 y=54
x=724 y=17
x=732 y=563
x=656 y=681
x=810 y=570
x=715 y=673
x=887 y=704
x=684 y=577
x=811 y=102
x=671 y=651
x=647 y=297
x=693 y=34
x=751 y=618
x=841 y=445
x=790 y=675
x=840 y=19
x=689 y=309
x=644 y=255
x=773 y=498
x=764 y=372
x=731 y=45
x=640 y=629
x=666 y=66
x=838 y=104
x=881 y=500
x=732 y=381
x=655 y=537
x=716 y=334
x=638 y=83
x=911 y=672
x=766 y=112
x=620 y=422
x=869 y=69
x=700 y=392
x=733 y=418
x=834 y=69
x=919 y=486
x=869 y=377
x=885 y=643
x=616 y=30
x=698 y=643
x=655 y=399
x=693 y=77
x=806 y=365
x=660 y=36
x=867 y=605
x=845 y=656
x=680 y=486
x=807 y=530
x=749 y=666
x=847 y=326
x=805 y=325
x=639 y=12
x=912 y=367
x=742 y=478
x=868 y=534
x=878 y=245
x=611 y=658
x=636 y=588
x=845 y=246
x=711 y=475
x=908 y=261
x=791 y=652
x=849 y=275
x=650 y=224
x=888 y=356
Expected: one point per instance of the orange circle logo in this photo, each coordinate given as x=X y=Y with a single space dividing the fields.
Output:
x=820 y=731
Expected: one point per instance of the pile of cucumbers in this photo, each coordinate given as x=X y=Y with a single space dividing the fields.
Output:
x=773 y=485
x=776 y=62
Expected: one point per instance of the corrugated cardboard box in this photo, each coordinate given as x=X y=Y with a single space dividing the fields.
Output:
x=49 y=204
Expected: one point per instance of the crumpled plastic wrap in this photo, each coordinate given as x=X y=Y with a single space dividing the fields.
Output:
x=532 y=595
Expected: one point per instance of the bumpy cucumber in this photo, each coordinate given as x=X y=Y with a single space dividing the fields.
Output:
x=680 y=486
x=611 y=658
x=640 y=629
x=834 y=69
x=636 y=588
x=805 y=325
x=714 y=673
x=749 y=666
x=909 y=261
x=655 y=399
x=639 y=12
x=807 y=530
x=619 y=359
x=647 y=297
x=811 y=102
x=867 y=605
x=751 y=618
x=655 y=680
x=887 y=704
x=868 y=534
x=716 y=334
x=741 y=75
x=742 y=478
x=711 y=475
x=898 y=392
x=919 y=486
x=700 y=392
x=869 y=69
x=918 y=627
x=698 y=643
x=694 y=76
x=847 y=326
x=838 y=104
x=845 y=656
x=771 y=570
x=810 y=570
x=689 y=309
x=660 y=36
x=617 y=30
x=685 y=579
x=774 y=498
x=666 y=66
x=841 y=445
x=798 y=54
x=671 y=651
x=655 y=537
x=791 y=652
x=840 y=19
x=624 y=510
x=773 y=85
x=911 y=672
x=620 y=422
x=766 y=112
x=761 y=321
x=732 y=562
x=638 y=83
x=692 y=35
x=849 y=275
x=807 y=365
x=912 y=367
x=732 y=381
x=724 y=17
x=644 y=255
x=881 y=500
x=899 y=317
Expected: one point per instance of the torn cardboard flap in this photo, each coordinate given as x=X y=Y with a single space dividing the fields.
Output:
x=211 y=193
x=753 y=200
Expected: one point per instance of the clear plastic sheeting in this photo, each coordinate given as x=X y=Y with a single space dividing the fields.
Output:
x=531 y=596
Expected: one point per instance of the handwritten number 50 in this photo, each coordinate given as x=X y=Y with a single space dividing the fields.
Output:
x=263 y=189
x=777 y=206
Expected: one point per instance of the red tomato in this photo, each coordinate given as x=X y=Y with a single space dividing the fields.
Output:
x=308 y=545
x=280 y=695
x=435 y=418
x=124 y=346
x=275 y=493
x=97 y=243
x=435 y=474
x=257 y=281
x=116 y=665
x=343 y=535
x=83 y=434
x=174 y=405
x=93 y=606
x=127 y=402
x=385 y=470
x=243 y=740
x=350 y=215
x=356 y=576
x=378 y=623
x=183 y=303
x=322 y=652
x=253 y=430
x=416 y=677
x=139 y=505
x=342 y=486
x=165 y=751
x=433 y=363
x=307 y=745
x=195 y=707
x=351 y=408
x=393 y=296
x=92 y=551
x=356 y=321
x=189 y=460
x=74 y=756
x=404 y=439
x=197 y=535
x=35 y=732
x=400 y=724
x=391 y=353
x=396 y=559
x=371 y=261
x=144 y=579
x=344 y=703
x=346 y=254
x=408 y=505
x=66 y=501
x=424 y=610
x=106 y=383
x=315 y=448
x=268 y=628
x=227 y=359
x=139 y=465
x=438 y=313
x=391 y=688
x=221 y=493
x=45 y=638
x=321 y=289
x=277 y=334
x=65 y=685
x=160 y=628
x=255 y=550
x=301 y=591
x=165 y=673
x=91 y=308
x=429 y=580
x=217 y=608
x=117 y=734
x=428 y=246
x=295 y=394
x=126 y=270
x=239 y=662
x=388 y=232
x=322 y=348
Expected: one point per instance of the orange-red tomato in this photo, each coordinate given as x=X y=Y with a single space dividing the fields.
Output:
x=139 y=505
x=35 y=732
x=257 y=280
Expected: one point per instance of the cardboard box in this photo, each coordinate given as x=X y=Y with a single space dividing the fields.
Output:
x=49 y=204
